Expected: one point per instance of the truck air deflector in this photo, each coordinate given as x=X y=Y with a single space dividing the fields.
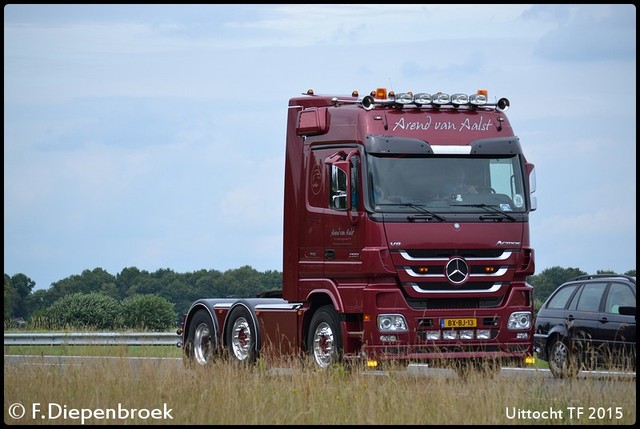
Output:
x=399 y=145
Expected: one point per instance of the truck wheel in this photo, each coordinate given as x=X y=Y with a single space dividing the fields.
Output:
x=241 y=335
x=324 y=341
x=202 y=341
x=563 y=363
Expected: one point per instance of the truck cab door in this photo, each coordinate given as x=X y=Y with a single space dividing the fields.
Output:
x=343 y=231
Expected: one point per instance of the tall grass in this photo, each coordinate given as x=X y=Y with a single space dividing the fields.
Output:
x=294 y=393
x=95 y=350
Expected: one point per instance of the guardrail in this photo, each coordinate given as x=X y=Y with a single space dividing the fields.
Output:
x=92 y=338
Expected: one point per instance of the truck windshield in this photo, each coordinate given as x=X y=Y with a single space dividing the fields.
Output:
x=446 y=183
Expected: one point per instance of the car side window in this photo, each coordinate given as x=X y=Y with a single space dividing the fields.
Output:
x=590 y=297
x=559 y=300
x=620 y=295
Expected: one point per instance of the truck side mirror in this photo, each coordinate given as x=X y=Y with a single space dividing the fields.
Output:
x=343 y=193
x=340 y=186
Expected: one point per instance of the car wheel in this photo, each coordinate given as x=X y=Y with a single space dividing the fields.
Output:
x=563 y=363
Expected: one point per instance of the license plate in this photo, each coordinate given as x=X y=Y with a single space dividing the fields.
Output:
x=458 y=323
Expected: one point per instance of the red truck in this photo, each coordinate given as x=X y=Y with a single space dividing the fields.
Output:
x=406 y=240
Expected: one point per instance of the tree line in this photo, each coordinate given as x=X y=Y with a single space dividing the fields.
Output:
x=182 y=289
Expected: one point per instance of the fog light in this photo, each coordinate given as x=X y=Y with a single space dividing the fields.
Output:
x=522 y=335
x=388 y=338
x=466 y=335
x=449 y=335
x=483 y=334
x=433 y=335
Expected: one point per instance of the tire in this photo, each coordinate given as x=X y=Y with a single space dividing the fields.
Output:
x=202 y=345
x=563 y=362
x=241 y=336
x=324 y=342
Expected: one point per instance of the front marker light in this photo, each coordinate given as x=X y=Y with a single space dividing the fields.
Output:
x=388 y=338
x=519 y=320
x=392 y=323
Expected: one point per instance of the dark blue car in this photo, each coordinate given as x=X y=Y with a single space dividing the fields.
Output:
x=588 y=323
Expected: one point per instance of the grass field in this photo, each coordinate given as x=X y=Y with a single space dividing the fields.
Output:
x=62 y=350
x=115 y=392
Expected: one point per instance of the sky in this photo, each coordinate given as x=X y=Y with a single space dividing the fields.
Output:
x=152 y=136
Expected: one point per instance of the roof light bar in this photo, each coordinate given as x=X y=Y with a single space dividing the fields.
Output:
x=381 y=97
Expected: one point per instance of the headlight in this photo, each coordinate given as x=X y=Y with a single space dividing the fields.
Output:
x=519 y=320
x=392 y=323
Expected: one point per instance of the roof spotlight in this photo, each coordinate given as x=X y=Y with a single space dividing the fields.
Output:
x=422 y=98
x=368 y=102
x=503 y=104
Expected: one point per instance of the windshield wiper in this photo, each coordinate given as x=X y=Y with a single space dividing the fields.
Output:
x=496 y=210
x=428 y=215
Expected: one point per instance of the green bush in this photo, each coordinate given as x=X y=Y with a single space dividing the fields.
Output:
x=83 y=311
x=148 y=312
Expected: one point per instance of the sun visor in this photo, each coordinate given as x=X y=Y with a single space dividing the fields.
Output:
x=399 y=145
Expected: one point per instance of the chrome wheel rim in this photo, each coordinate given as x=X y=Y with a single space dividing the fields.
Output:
x=241 y=339
x=323 y=345
x=202 y=344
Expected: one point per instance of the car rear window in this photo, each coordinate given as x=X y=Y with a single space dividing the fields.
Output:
x=620 y=295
